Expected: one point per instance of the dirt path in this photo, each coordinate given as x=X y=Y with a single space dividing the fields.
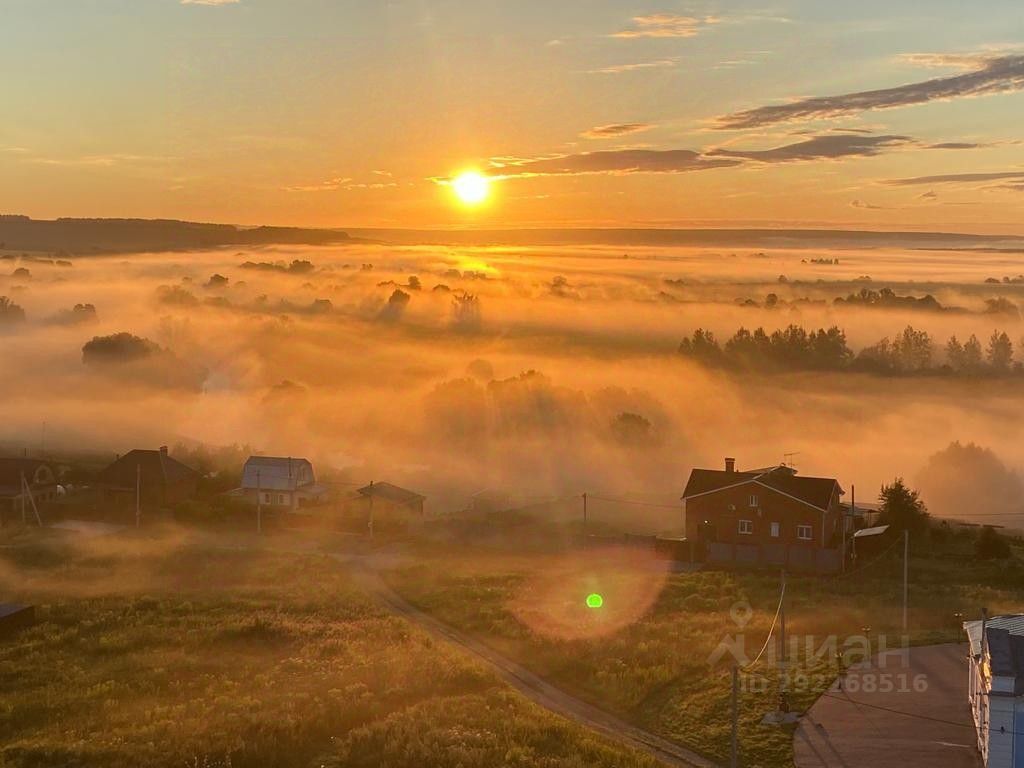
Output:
x=535 y=688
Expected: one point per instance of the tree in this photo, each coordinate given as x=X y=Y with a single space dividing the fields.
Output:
x=912 y=350
x=118 y=348
x=631 y=429
x=1000 y=352
x=991 y=546
x=955 y=354
x=902 y=508
x=702 y=346
x=972 y=354
x=10 y=312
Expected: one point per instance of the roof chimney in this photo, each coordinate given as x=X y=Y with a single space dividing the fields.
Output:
x=163 y=449
x=730 y=465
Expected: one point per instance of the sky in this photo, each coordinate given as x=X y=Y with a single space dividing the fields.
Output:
x=903 y=114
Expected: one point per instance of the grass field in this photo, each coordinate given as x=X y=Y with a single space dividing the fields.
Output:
x=165 y=651
x=645 y=653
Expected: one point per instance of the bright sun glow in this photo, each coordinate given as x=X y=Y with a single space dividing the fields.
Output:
x=471 y=188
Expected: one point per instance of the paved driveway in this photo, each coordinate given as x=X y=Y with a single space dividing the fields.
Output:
x=899 y=728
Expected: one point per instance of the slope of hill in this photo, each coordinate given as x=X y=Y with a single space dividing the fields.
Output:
x=99 y=236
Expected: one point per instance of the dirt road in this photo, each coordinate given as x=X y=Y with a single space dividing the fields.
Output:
x=535 y=688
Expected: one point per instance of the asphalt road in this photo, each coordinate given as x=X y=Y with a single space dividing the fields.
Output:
x=536 y=689
x=903 y=727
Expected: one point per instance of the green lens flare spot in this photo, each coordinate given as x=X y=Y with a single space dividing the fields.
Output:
x=595 y=601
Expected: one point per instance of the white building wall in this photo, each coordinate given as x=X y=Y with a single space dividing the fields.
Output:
x=1001 y=727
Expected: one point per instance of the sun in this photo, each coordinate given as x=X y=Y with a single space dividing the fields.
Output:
x=471 y=188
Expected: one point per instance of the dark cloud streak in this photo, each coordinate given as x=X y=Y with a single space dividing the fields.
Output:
x=1002 y=74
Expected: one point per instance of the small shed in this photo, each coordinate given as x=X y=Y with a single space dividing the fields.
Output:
x=869 y=542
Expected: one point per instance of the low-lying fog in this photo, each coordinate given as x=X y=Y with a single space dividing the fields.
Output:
x=541 y=371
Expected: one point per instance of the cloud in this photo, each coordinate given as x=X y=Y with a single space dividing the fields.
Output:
x=343 y=183
x=666 y=25
x=830 y=146
x=825 y=147
x=867 y=206
x=956 y=145
x=929 y=195
x=209 y=2
x=993 y=74
x=615 y=130
x=957 y=178
x=623 y=161
x=330 y=185
x=618 y=69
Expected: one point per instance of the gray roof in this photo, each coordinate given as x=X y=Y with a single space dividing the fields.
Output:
x=1005 y=641
x=274 y=473
x=876 y=531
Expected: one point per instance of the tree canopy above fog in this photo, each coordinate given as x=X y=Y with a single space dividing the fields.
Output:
x=910 y=351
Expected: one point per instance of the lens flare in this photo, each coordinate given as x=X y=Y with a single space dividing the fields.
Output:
x=595 y=601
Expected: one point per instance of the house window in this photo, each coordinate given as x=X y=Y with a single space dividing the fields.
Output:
x=747 y=527
x=280 y=499
x=266 y=498
x=804 y=532
x=775 y=530
x=753 y=501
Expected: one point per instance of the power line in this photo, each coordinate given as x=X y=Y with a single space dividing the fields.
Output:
x=771 y=631
x=635 y=503
x=848 y=700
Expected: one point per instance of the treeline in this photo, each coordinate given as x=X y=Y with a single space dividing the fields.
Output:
x=908 y=352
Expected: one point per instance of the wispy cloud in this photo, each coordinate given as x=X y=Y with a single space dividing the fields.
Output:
x=616 y=162
x=831 y=146
x=96 y=161
x=958 y=178
x=989 y=75
x=666 y=25
x=616 y=130
x=330 y=185
x=618 y=69
x=867 y=206
x=343 y=183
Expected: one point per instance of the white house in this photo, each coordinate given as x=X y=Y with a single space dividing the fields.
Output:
x=282 y=483
x=996 y=688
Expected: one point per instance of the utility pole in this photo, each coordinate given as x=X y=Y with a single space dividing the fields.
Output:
x=734 y=751
x=26 y=492
x=906 y=574
x=371 y=524
x=259 y=504
x=852 y=516
x=138 y=495
x=584 y=516
x=783 y=670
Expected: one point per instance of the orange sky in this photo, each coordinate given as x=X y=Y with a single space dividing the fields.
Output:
x=591 y=112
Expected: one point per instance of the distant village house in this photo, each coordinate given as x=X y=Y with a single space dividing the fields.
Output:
x=156 y=479
x=22 y=482
x=281 y=483
x=386 y=497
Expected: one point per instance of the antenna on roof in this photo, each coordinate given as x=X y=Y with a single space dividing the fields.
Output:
x=787 y=459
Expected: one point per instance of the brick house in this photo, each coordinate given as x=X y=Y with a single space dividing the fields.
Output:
x=763 y=516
